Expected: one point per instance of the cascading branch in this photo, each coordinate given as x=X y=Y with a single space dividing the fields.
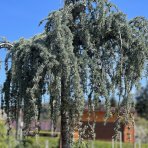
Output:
x=88 y=50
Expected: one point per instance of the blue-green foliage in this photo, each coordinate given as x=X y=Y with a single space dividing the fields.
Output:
x=88 y=49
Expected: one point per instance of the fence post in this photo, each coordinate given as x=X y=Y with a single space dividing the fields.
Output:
x=120 y=133
x=139 y=143
x=113 y=142
x=46 y=144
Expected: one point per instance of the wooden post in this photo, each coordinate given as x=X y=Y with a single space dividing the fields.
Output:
x=113 y=142
x=120 y=133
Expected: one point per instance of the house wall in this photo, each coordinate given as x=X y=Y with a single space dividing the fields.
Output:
x=128 y=133
x=103 y=132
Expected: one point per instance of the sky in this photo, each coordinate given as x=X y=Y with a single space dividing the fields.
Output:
x=20 y=18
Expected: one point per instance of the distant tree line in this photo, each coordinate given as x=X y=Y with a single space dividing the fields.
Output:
x=142 y=103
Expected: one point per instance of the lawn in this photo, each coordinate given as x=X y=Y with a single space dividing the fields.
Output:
x=42 y=142
x=51 y=142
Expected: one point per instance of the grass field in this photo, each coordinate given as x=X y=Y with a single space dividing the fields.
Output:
x=53 y=143
x=42 y=142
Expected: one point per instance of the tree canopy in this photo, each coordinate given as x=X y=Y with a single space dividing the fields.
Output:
x=89 y=50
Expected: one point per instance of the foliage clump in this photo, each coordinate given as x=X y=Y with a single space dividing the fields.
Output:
x=142 y=103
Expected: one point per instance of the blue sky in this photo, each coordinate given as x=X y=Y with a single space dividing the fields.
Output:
x=20 y=18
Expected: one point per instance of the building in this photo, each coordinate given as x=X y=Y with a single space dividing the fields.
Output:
x=104 y=132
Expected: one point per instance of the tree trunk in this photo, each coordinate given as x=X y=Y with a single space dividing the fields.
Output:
x=65 y=138
x=17 y=120
x=64 y=130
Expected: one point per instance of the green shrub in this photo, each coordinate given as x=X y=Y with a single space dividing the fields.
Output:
x=4 y=139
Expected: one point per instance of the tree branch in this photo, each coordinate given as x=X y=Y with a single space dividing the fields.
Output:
x=7 y=45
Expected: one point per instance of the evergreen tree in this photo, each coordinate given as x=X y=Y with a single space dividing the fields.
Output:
x=113 y=102
x=89 y=48
x=142 y=103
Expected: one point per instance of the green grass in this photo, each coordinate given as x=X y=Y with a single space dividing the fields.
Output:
x=31 y=142
x=105 y=144
x=53 y=143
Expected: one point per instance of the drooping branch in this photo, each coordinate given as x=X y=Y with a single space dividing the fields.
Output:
x=7 y=45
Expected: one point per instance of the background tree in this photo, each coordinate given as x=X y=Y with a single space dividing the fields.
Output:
x=113 y=102
x=88 y=50
x=142 y=103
